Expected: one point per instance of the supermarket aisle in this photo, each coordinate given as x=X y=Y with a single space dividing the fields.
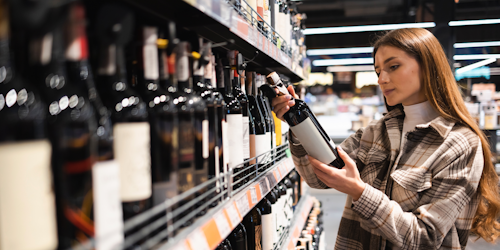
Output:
x=333 y=205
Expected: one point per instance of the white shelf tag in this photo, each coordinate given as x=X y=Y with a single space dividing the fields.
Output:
x=222 y=225
x=198 y=241
x=232 y=213
x=253 y=195
x=242 y=204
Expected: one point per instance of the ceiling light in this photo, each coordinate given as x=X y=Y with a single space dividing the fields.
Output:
x=350 y=68
x=364 y=28
x=476 y=57
x=348 y=61
x=475 y=65
x=339 y=51
x=476 y=44
x=474 y=22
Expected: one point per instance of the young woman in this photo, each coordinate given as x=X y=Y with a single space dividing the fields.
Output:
x=422 y=176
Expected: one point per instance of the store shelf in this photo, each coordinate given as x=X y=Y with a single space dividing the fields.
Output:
x=216 y=225
x=219 y=22
x=300 y=216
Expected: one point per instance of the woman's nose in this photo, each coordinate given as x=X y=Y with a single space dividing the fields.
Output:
x=383 y=78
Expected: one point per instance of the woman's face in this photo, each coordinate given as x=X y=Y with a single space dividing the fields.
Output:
x=398 y=76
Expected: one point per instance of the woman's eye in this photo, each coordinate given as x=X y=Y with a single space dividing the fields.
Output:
x=393 y=67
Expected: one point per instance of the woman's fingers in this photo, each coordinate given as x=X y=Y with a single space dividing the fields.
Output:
x=347 y=159
x=281 y=99
x=319 y=165
x=291 y=90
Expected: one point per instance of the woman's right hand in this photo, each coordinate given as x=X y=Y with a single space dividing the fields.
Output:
x=281 y=104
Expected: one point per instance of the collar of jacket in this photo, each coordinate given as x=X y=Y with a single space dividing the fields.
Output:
x=440 y=124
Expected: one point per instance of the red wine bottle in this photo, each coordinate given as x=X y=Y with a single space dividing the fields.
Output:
x=129 y=114
x=305 y=126
x=27 y=197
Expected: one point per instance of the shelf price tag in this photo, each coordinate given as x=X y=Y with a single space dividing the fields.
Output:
x=222 y=225
x=181 y=246
x=253 y=195
x=242 y=204
x=258 y=190
x=225 y=13
x=233 y=215
x=198 y=241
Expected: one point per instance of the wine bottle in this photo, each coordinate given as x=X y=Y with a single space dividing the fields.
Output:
x=267 y=222
x=238 y=237
x=282 y=211
x=72 y=129
x=273 y=198
x=108 y=218
x=305 y=126
x=27 y=199
x=253 y=225
x=224 y=245
x=131 y=129
x=162 y=113
x=295 y=178
x=269 y=116
x=266 y=120
x=261 y=138
x=235 y=61
x=289 y=194
x=222 y=115
x=246 y=85
x=234 y=119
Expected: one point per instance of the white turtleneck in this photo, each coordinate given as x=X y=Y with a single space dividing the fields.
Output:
x=416 y=114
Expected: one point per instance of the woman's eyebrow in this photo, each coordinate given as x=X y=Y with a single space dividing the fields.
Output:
x=386 y=61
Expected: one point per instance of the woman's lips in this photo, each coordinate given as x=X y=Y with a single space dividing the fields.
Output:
x=388 y=91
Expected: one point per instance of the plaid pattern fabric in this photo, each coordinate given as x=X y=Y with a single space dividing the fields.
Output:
x=426 y=200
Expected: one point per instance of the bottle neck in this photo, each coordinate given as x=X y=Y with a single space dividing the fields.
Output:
x=227 y=80
x=112 y=62
x=5 y=64
x=184 y=80
x=149 y=55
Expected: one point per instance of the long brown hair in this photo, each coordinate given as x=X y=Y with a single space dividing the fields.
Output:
x=444 y=95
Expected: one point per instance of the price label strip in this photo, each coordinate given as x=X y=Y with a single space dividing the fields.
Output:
x=222 y=224
x=242 y=204
x=182 y=246
x=198 y=241
x=232 y=215
x=253 y=196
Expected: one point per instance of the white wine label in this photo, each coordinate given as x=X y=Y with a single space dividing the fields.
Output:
x=222 y=224
x=205 y=142
x=246 y=137
x=225 y=150
x=235 y=139
x=313 y=142
x=108 y=220
x=197 y=240
x=132 y=152
x=261 y=142
x=183 y=68
x=217 y=168
x=268 y=231
x=151 y=67
x=27 y=203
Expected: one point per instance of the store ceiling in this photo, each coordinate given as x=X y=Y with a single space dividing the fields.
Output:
x=333 y=13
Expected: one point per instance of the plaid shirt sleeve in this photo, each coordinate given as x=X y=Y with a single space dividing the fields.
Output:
x=303 y=166
x=454 y=185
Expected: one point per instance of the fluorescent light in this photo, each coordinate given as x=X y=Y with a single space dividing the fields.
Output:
x=475 y=65
x=339 y=51
x=350 y=68
x=348 y=61
x=363 y=28
x=475 y=57
x=476 y=44
x=474 y=22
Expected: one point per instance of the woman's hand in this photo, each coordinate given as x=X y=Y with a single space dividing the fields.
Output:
x=281 y=104
x=345 y=180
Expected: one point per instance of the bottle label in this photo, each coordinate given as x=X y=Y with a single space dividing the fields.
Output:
x=205 y=139
x=258 y=237
x=151 y=67
x=261 y=142
x=225 y=148
x=183 y=69
x=235 y=139
x=246 y=137
x=25 y=181
x=252 y=147
x=108 y=219
x=313 y=142
x=132 y=152
x=268 y=231
x=186 y=153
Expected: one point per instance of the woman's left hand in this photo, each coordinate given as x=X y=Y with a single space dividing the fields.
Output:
x=345 y=180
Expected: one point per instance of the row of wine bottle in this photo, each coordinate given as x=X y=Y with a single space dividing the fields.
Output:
x=95 y=130
x=264 y=226
x=312 y=236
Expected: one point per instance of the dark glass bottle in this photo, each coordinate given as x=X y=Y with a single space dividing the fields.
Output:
x=247 y=86
x=107 y=211
x=235 y=60
x=305 y=126
x=267 y=120
x=238 y=237
x=289 y=196
x=295 y=178
x=162 y=114
x=234 y=117
x=261 y=138
x=272 y=197
x=267 y=222
x=25 y=151
x=282 y=213
x=221 y=115
x=253 y=225
x=224 y=245
x=129 y=114
x=72 y=130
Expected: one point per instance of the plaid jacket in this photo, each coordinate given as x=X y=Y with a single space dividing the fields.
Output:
x=427 y=200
